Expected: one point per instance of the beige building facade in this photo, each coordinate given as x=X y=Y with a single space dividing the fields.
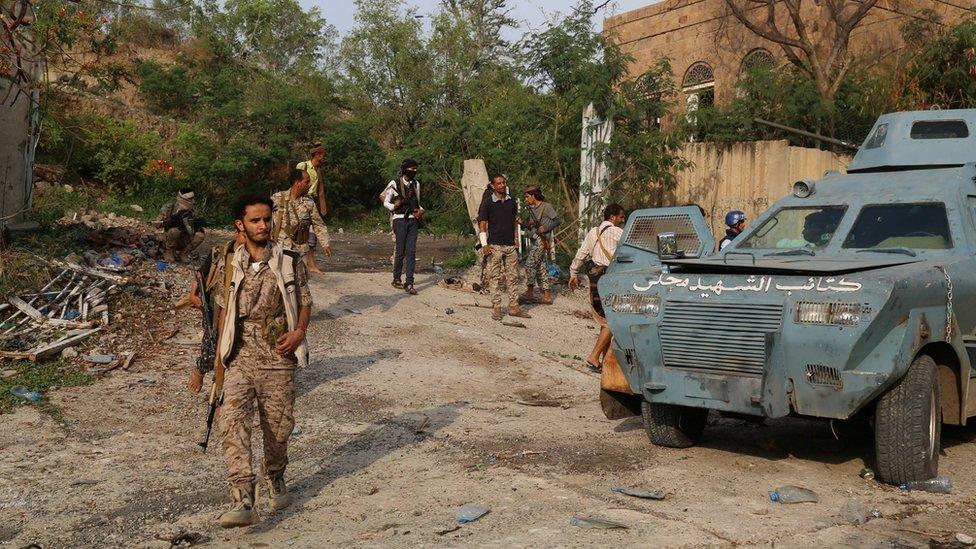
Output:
x=709 y=48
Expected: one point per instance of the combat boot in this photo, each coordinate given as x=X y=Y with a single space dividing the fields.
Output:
x=546 y=298
x=529 y=295
x=242 y=513
x=278 y=496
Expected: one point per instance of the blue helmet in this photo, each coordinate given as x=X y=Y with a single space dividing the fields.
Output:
x=735 y=217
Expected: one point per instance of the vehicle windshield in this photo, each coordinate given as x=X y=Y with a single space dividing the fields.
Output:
x=796 y=228
x=912 y=226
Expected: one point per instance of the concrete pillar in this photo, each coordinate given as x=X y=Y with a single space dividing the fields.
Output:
x=16 y=155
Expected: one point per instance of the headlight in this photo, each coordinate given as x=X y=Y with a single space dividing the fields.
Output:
x=636 y=304
x=838 y=313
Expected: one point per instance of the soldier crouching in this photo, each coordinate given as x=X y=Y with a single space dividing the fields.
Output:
x=264 y=312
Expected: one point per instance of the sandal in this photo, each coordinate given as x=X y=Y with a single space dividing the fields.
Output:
x=397 y=284
x=496 y=314
x=593 y=367
x=411 y=290
x=519 y=313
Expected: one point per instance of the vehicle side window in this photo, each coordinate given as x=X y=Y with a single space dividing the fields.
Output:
x=939 y=129
x=913 y=226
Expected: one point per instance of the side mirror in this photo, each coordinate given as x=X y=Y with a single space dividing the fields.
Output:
x=667 y=246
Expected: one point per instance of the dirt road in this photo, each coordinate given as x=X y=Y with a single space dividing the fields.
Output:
x=406 y=413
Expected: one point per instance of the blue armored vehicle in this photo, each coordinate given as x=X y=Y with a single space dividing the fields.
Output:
x=853 y=296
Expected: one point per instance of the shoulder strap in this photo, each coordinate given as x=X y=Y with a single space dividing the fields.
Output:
x=228 y=274
x=280 y=218
x=600 y=242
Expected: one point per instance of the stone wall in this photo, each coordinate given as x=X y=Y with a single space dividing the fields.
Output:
x=690 y=31
x=746 y=176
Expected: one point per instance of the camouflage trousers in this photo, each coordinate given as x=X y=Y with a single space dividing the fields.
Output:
x=177 y=241
x=249 y=381
x=536 y=269
x=503 y=261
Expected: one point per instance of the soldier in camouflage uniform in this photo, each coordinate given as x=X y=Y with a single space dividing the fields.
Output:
x=263 y=315
x=497 y=220
x=543 y=219
x=295 y=215
x=182 y=231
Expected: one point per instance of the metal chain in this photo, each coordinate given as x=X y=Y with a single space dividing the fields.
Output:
x=948 y=327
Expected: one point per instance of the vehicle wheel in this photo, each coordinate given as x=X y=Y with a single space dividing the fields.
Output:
x=673 y=426
x=908 y=426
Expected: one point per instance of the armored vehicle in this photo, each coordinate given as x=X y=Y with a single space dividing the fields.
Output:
x=853 y=296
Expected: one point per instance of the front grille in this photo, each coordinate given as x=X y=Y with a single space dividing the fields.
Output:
x=825 y=376
x=718 y=337
x=644 y=230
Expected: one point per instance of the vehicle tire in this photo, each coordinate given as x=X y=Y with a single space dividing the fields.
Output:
x=908 y=426
x=673 y=426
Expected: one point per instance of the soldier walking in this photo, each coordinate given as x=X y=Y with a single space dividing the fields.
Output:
x=543 y=219
x=402 y=198
x=599 y=245
x=316 y=192
x=497 y=222
x=263 y=315
x=295 y=218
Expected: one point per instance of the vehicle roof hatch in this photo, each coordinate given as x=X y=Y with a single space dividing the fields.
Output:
x=918 y=140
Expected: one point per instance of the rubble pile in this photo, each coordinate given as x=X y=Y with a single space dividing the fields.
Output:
x=71 y=307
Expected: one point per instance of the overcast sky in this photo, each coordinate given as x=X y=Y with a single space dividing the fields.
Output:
x=530 y=13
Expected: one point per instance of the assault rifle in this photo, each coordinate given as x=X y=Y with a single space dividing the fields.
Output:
x=207 y=360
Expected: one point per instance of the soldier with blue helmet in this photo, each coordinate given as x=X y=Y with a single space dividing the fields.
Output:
x=735 y=220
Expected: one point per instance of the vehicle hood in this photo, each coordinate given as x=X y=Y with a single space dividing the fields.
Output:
x=791 y=265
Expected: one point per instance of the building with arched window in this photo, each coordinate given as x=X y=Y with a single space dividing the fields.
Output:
x=710 y=49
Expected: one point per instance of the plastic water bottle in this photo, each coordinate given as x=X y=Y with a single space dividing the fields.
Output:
x=937 y=485
x=793 y=494
x=22 y=392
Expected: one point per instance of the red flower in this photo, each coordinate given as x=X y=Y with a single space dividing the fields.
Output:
x=5 y=71
x=62 y=11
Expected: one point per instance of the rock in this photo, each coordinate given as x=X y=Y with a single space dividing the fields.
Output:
x=7 y=374
x=68 y=188
x=341 y=231
x=69 y=352
x=136 y=207
x=965 y=540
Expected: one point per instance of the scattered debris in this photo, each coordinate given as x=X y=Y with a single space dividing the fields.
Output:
x=638 y=493
x=85 y=482
x=513 y=324
x=585 y=315
x=448 y=530
x=937 y=485
x=353 y=311
x=7 y=374
x=470 y=512
x=596 y=523
x=39 y=325
x=422 y=425
x=854 y=512
x=128 y=360
x=965 y=540
x=22 y=392
x=100 y=359
x=866 y=473
x=793 y=494
x=449 y=311
x=136 y=208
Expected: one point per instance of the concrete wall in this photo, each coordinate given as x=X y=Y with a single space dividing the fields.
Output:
x=14 y=177
x=746 y=176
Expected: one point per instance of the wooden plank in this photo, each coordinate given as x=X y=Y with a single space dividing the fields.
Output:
x=91 y=272
x=28 y=310
x=52 y=348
